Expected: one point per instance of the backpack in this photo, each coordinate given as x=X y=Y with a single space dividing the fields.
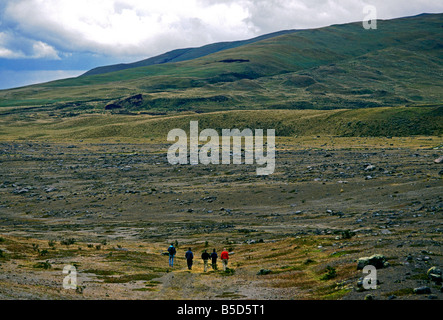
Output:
x=171 y=250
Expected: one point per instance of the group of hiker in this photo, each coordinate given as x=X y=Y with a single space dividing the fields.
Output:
x=189 y=255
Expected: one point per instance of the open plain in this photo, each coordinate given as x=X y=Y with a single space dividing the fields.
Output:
x=111 y=209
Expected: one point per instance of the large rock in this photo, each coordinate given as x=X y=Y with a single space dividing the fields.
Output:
x=435 y=274
x=422 y=290
x=439 y=160
x=377 y=260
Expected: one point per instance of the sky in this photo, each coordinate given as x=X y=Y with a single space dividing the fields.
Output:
x=43 y=40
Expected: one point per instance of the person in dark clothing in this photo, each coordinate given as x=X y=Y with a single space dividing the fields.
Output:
x=189 y=256
x=214 y=257
x=205 y=257
x=172 y=253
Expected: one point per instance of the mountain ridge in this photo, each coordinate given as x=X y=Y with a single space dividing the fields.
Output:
x=336 y=67
x=184 y=54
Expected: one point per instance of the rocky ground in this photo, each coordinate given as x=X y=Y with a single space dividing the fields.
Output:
x=111 y=210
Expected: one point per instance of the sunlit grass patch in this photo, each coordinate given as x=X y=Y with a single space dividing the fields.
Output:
x=129 y=278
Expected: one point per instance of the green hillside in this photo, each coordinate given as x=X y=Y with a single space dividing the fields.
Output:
x=385 y=121
x=183 y=54
x=341 y=66
x=388 y=79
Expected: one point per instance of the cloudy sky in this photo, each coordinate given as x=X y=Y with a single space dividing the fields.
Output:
x=42 y=40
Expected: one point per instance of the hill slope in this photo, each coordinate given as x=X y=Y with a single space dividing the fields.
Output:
x=183 y=54
x=336 y=67
x=371 y=122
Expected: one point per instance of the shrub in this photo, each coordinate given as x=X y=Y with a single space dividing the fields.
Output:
x=43 y=265
x=347 y=234
x=228 y=272
x=68 y=241
x=330 y=274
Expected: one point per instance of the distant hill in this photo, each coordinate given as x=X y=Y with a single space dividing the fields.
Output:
x=183 y=54
x=336 y=67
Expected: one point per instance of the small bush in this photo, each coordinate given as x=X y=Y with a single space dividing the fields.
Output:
x=347 y=234
x=67 y=242
x=330 y=273
x=43 y=265
x=228 y=272
x=263 y=272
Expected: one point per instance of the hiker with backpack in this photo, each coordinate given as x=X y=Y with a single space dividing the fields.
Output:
x=172 y=253
x=189 y=256
x=214 y=257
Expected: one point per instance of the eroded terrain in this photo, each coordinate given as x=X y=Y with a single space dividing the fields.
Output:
x=111 y=210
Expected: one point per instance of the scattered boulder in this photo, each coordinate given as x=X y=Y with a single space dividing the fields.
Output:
x=20 y=191
x=435 y=274
x=422 y=290
x=50 y=189
x=439 y=160
x=377 y=260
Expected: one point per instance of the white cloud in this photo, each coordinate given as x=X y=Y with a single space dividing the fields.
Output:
x=146 y=27
x=128 y=26
x=43 y=50
x=18 y=47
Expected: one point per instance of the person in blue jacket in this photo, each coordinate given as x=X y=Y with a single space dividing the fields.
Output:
x=189 y=256
x=214 y=257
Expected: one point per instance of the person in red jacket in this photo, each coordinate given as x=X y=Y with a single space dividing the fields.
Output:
x=224 y=258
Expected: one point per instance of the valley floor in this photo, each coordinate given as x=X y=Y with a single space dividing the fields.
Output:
x=111 y=209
